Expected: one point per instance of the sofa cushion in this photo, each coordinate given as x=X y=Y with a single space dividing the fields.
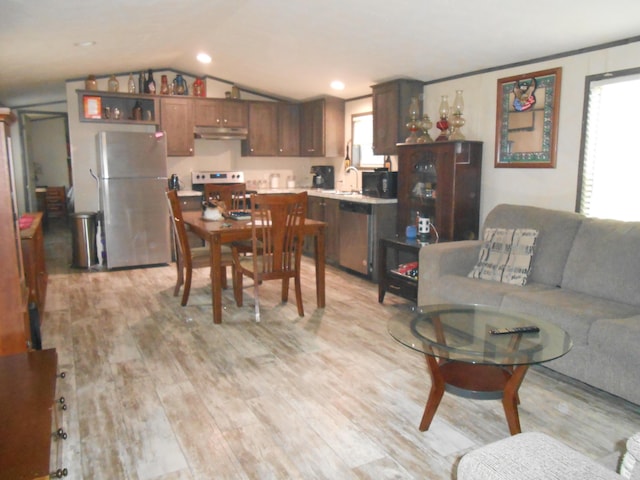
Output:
x=458 y=289
x=574 y=312
x=605 y=260
x=556 y=231
x=618 y=338
x=505 y=255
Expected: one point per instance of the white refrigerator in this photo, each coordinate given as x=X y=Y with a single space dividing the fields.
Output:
x=132 y=172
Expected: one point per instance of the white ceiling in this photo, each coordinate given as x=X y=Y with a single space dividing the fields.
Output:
x=292 y=49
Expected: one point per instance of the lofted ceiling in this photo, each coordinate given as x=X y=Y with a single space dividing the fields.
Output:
x=290 y=49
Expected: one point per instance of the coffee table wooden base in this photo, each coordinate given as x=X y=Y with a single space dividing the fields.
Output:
x=474 y=381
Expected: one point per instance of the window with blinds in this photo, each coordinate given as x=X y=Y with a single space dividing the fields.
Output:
x=610 y=163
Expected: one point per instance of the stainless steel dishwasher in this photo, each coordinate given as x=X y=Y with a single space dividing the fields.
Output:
x=355 y=231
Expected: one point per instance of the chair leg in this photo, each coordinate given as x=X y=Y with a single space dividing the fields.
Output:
x=257 y=300
x=180 y=279
x=237 y=287
x=298 y=286
x=187 y=288
x=285 y=290
x=223 y=277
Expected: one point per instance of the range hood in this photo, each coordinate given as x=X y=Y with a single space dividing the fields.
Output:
x=220 y=133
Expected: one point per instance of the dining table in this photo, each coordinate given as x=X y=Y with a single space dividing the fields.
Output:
x=219 y=232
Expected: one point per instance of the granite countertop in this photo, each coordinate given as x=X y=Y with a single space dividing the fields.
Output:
x=338 y=195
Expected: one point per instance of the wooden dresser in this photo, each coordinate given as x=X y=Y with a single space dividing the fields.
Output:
x=30 y=417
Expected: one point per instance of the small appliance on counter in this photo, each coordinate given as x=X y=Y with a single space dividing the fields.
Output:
x=323 y=177
x=174 y=182
x=380 y=184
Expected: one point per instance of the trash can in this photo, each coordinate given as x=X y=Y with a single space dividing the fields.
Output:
x=83 y=236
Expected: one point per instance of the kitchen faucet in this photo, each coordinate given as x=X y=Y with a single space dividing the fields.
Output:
x=353 y=169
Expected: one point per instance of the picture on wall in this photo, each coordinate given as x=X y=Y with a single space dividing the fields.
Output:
x=527 y=119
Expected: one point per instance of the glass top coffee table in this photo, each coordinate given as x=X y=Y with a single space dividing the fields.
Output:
x=465 y=358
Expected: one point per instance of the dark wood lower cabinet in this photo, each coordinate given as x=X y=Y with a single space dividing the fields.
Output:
x=30 y=424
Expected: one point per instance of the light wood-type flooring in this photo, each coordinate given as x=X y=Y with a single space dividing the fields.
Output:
x=157 y=391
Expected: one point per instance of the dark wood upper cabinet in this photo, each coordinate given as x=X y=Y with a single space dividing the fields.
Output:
x=217 y=112
x=391 y=113
x=262 y=139
x=288 y=129
x=322 y=128
x=176 y=119
x=441 y=180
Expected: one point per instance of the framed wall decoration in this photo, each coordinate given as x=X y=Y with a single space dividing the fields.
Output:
x=527 y=119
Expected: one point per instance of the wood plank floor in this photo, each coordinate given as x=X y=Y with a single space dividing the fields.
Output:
x=157 y=391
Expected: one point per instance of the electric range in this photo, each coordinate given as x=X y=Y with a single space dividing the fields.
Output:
x=199 y=179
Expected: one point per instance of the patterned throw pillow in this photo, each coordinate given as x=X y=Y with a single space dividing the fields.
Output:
x=506 y=255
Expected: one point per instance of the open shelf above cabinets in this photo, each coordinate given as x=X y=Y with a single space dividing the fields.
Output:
x=108 y=107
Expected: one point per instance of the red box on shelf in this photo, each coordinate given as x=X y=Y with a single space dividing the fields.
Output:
x=92 y=107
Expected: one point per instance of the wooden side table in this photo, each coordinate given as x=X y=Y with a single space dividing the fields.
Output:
x=403 y=251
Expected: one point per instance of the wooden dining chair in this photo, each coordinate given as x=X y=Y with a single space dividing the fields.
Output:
x=277 y=237
x=188 y=258
x=234 y=195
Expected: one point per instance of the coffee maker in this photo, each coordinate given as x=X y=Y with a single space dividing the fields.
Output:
x=323 y=177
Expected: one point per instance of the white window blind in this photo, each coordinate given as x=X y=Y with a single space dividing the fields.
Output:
x=611 y=163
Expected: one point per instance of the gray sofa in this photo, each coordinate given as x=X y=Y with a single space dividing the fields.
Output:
x=585 y=278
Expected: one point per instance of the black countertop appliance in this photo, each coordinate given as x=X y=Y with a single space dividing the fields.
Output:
x=323 y=177
x=381 y=184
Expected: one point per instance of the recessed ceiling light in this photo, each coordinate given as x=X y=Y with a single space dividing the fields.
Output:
x=86 y=43
x=337 y=85
x=203 y=58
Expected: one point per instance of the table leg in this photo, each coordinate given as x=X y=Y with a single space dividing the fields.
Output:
x=510 y=398
x=215 y=247
x=435 y=395
x=320 y=266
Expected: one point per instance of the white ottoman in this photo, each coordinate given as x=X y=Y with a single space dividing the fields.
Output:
x=536 y=456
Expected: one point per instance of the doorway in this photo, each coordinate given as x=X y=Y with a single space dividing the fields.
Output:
x=46 y=156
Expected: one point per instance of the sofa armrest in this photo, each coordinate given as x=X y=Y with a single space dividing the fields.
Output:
x=449 y=258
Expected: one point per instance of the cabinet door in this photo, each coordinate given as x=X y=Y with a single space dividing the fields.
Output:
x=235 y=113
x=312 y=129
x=288 y=129
x=263 y=130
x=176 y=119
x=391 y=113
x=385 y=113
x=208 y=113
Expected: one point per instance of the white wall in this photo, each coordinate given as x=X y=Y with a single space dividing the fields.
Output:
x=47 y=140
x=552 y=188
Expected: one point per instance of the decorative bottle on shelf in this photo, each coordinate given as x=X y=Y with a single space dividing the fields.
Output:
x=142 y=82
x=113 y=84
x=164 y=85
x=131 y=84
x=137 y=111
x=387 y=163
x=150 y=85
x=91 y=83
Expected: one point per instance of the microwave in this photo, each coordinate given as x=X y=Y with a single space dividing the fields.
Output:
x=380 y=184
